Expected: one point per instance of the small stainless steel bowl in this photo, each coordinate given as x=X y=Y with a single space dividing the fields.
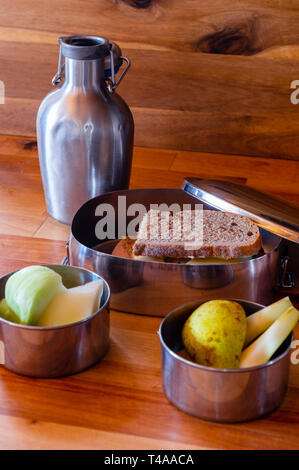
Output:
x=59 y=350
x=222 y=395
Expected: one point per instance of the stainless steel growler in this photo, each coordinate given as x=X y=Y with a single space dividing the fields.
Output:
x=84 y=130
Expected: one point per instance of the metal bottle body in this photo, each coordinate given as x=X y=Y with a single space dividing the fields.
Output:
x=85 y=139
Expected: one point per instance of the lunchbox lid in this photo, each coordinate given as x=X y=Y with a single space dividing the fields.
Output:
x=266 y=211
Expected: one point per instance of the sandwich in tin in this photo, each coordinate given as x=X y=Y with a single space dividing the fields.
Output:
x=166 y=237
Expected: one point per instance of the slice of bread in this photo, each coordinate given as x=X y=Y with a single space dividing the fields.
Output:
x=224 y=235
x=124 y=248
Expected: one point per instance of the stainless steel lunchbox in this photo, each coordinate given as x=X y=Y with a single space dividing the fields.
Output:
x=59 y=350
x=156 y=288
x=220 y=395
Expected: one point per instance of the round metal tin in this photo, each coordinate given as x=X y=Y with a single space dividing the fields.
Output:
x=59 y=350
x=222 y=395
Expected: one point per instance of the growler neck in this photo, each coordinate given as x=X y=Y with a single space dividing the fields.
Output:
x=86 y=74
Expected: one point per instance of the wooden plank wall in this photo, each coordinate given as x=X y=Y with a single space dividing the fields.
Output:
x=211 y=76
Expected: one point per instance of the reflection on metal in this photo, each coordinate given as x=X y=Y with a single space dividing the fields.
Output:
x=60 y=350
x=156 y=288
x=220 y=394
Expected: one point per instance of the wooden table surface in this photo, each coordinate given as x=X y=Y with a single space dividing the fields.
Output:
x=119 y=403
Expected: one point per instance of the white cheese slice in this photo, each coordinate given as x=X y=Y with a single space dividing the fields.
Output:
x=72 y=305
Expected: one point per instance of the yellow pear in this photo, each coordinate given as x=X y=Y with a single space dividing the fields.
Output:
x=215 y=332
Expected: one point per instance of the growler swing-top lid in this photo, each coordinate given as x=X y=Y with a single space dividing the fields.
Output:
x=90 y=48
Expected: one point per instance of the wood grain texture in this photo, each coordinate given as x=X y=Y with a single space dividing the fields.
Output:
x=119 y=403
x=22 y=205
x=26 y=434
x=211 y=77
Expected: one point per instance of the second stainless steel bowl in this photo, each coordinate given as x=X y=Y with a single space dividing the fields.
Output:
x=223 y=395
x=59 y=350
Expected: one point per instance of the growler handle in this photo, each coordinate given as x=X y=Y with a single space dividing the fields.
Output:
x=60 y=72
x=111 y=83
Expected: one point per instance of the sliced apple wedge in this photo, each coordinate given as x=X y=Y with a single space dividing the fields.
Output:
x=72 y=305
x=259 y=321
x=261 y=350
